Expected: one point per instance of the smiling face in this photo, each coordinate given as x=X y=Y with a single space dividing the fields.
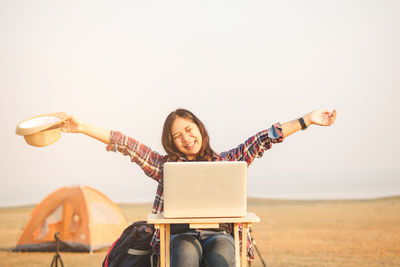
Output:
x=186 y=137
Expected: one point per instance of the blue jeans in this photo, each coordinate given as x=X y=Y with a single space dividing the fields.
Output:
x=202 y=248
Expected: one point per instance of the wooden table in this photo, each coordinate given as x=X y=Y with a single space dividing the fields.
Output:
x=202 y=223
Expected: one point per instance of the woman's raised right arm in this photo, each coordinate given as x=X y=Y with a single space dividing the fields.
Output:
x=150 y=161
x=75 y=125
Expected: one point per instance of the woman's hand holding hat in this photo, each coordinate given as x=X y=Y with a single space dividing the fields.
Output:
x=72 y=125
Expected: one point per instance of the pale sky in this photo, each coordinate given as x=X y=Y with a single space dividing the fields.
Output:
x=240 y=66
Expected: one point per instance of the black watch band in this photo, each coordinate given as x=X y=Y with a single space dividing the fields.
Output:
x=303 y=124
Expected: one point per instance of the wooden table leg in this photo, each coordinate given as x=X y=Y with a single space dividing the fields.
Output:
x=162 y=245
x=244 y=245
x=237 y=250
x=167 y=244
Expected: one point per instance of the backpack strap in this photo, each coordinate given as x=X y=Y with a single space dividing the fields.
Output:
x=139 y=252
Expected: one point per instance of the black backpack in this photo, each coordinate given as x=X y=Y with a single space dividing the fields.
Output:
x=132 y=248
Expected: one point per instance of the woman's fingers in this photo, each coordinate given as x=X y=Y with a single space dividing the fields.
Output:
x=332 y=117
x=65 y=126
x=328 y=117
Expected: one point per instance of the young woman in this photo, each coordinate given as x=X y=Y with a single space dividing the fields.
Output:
x=185 y=138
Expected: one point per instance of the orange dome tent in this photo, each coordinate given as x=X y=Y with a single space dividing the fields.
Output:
x=85 y=218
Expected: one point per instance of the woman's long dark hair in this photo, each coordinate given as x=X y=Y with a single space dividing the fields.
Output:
x=205 y=152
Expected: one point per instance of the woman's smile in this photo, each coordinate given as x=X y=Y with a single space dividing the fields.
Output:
x=190 y=146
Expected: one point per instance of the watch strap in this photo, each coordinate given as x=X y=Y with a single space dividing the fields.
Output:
x=302 y=123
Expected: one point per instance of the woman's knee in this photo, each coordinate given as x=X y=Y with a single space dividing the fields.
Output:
x=186 y=250
x=219 y=250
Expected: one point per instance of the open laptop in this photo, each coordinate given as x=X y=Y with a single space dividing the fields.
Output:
x=205 y=189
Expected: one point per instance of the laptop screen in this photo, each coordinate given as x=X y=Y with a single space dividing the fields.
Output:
x=205 y=189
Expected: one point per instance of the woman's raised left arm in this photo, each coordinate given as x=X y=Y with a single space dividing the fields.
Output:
x=317 y=117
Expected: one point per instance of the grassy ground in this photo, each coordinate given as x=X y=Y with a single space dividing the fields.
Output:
x=291 y=233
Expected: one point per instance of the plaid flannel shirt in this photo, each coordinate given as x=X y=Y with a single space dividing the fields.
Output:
x=152 y=162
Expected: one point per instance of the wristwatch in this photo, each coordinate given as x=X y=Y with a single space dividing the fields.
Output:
x=302 y=123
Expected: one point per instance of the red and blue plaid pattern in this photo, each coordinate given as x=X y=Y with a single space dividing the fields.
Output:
x=152 y=162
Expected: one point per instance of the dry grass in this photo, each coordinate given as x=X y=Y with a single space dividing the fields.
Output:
x=291 y=233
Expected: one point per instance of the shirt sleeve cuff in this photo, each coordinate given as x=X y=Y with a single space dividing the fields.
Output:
x=115 y=139
x=275 y=133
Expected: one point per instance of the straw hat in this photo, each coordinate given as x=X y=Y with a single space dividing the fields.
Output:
x=42 y=130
